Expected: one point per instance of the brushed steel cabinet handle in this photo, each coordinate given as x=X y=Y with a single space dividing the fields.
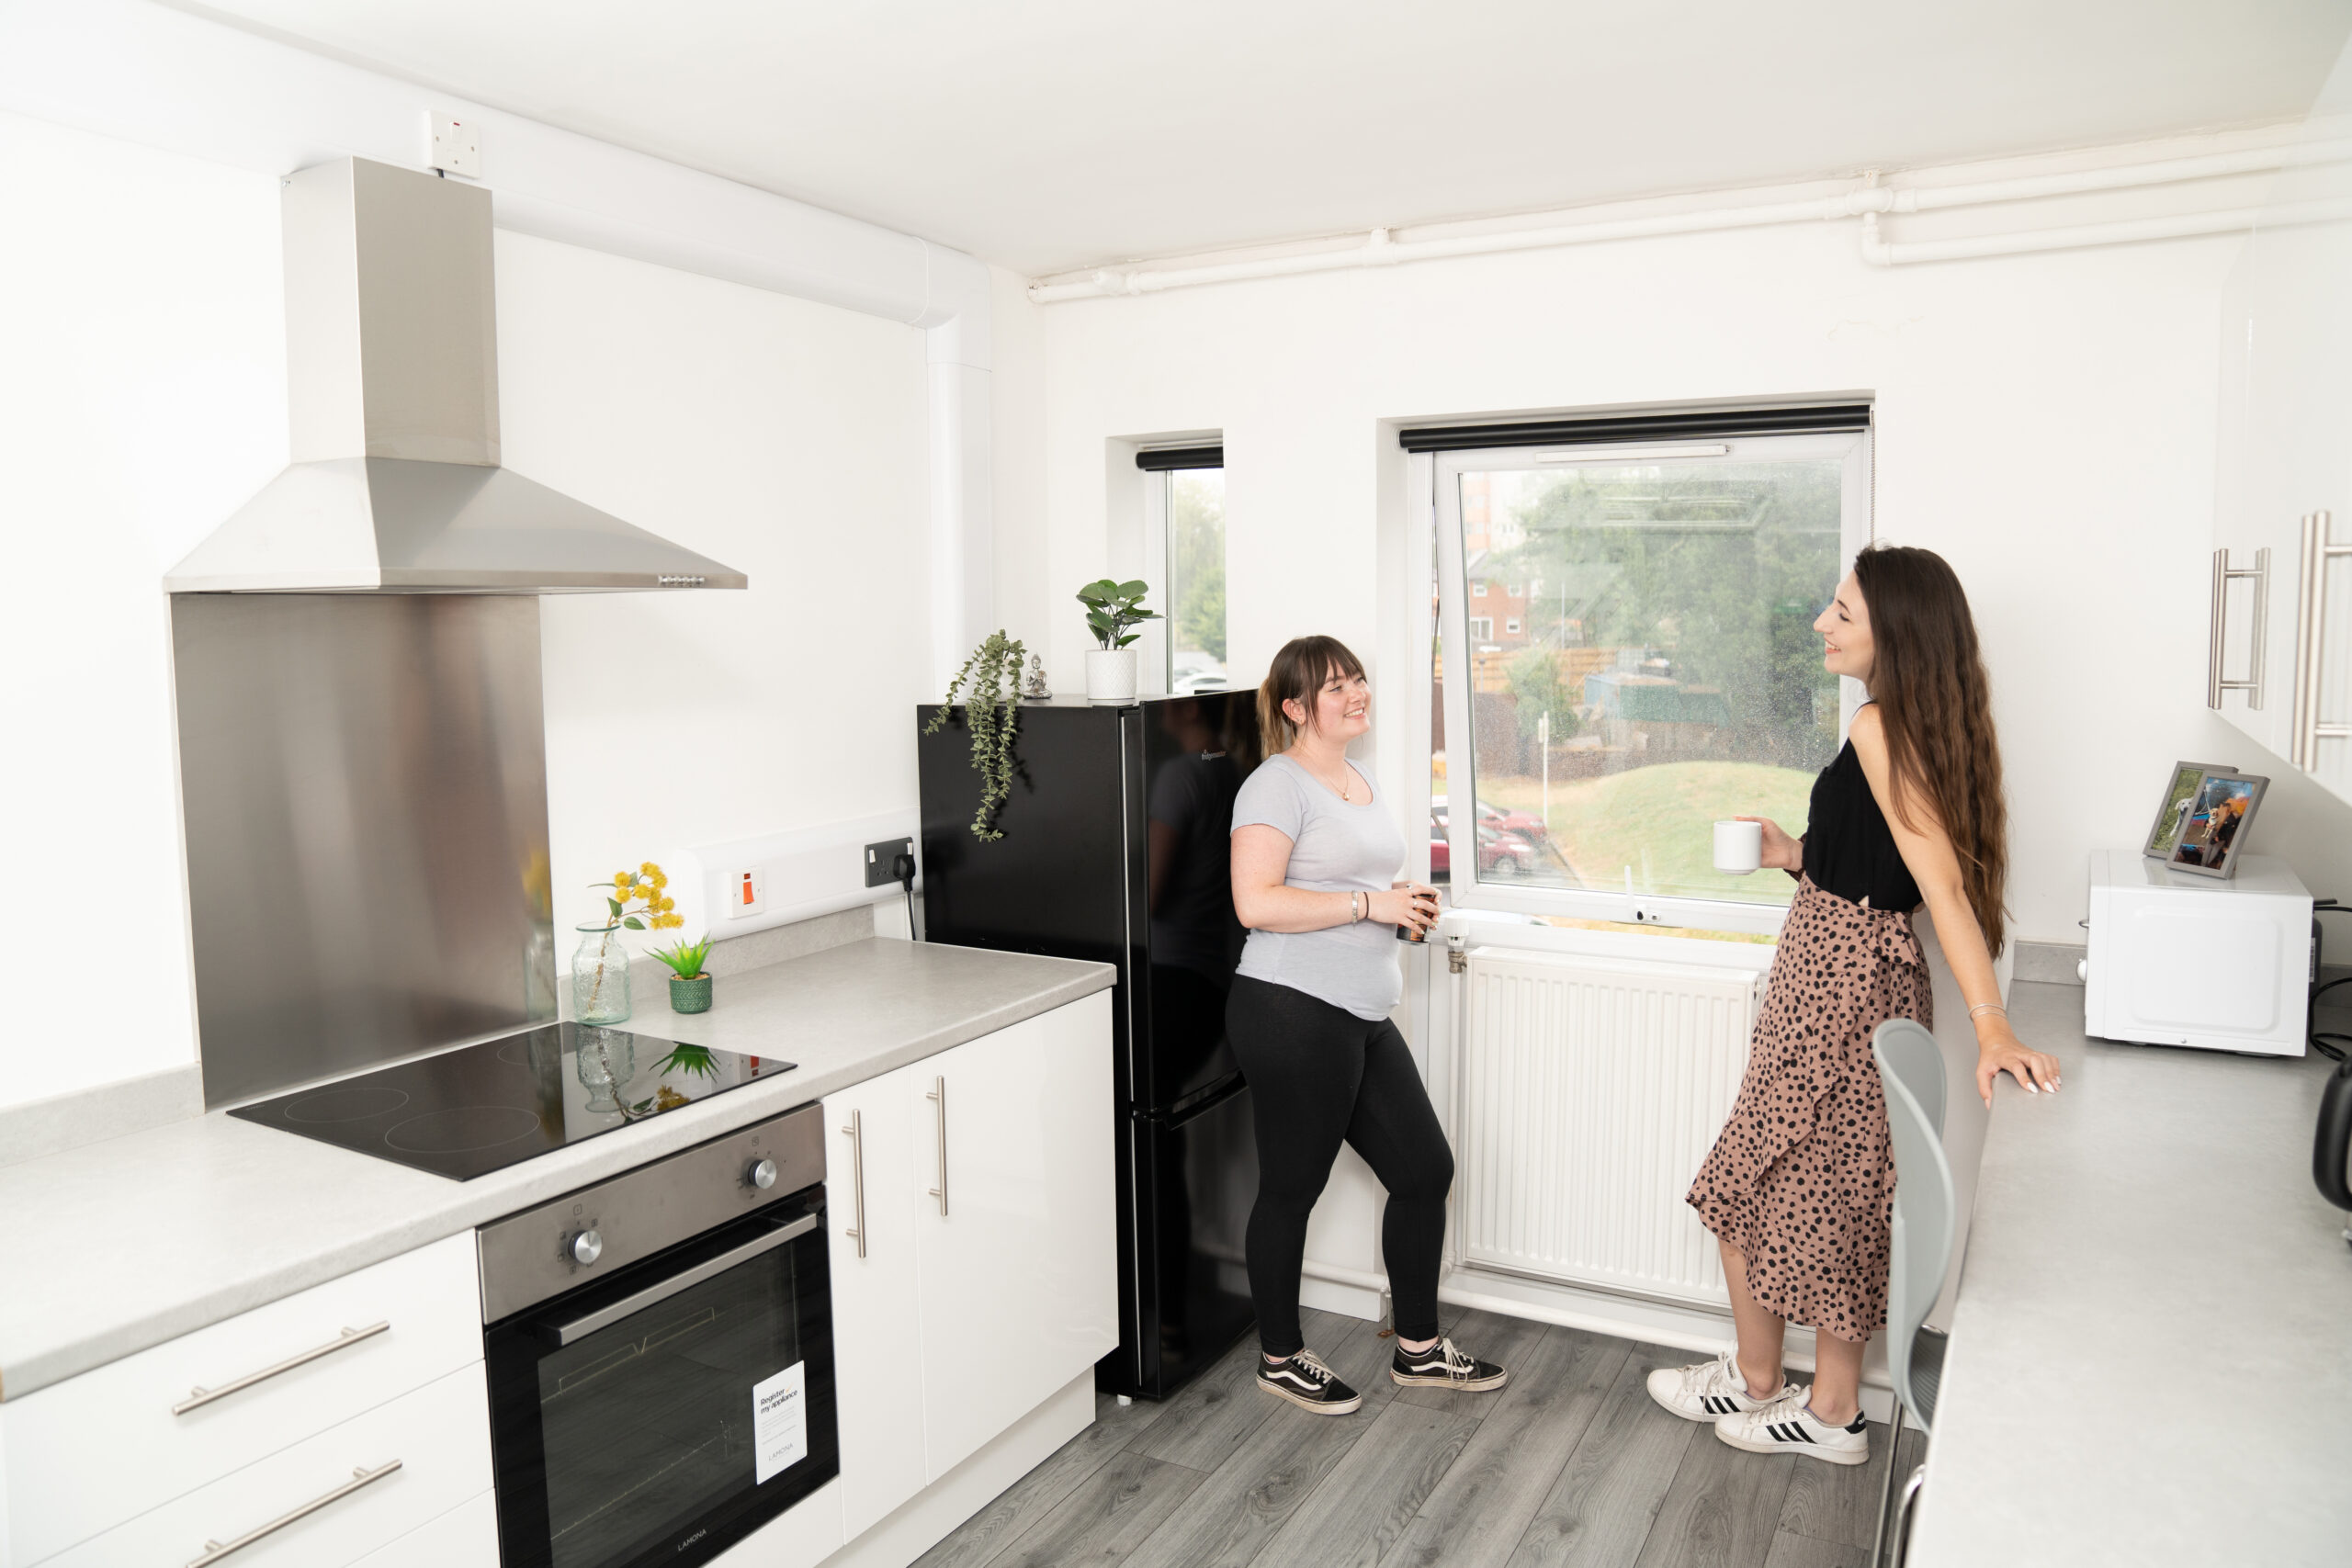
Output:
x=938 y=1097
x=2311 y=645
x=2218 y=633
x=214 y=1550
x=199 y=1397
x=855 y=1133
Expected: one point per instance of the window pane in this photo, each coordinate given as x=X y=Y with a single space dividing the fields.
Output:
x=1196 y=579
x=1657 y=669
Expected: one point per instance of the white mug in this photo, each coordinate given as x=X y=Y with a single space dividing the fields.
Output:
x=1740 y=847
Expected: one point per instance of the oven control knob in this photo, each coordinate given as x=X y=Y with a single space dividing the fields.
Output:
x=762 y=1175
x=586 y=1247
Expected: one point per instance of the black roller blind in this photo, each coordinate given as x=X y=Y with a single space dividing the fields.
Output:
x=1695 y=424
x=1162 y=460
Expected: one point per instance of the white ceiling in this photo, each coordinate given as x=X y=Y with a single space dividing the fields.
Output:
x=1045 y=134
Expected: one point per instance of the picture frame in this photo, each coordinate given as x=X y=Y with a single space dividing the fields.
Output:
x=2214 y=830
x=2164 y=834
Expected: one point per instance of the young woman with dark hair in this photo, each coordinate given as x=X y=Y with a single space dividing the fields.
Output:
x=1799 y=1187
x=1315 y=861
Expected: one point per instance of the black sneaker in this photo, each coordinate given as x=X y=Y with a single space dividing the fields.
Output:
x=1443 y=1366
x=1306 y=1382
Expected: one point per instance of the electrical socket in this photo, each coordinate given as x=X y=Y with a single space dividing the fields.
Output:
x=746 y=892
x=456 y=145
x=880 y=857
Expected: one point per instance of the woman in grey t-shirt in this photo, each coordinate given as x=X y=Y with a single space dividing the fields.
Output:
x=1314 y=859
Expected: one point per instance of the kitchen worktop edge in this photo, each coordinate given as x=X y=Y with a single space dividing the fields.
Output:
x=139 y=1239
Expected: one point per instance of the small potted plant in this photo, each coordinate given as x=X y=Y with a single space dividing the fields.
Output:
x=689 y=986
x=1111 y=608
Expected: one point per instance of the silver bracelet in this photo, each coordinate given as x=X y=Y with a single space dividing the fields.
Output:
x=1989 y=1006
x=1355 y=908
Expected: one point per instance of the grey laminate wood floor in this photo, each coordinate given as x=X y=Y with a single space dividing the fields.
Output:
x=1569 y=1464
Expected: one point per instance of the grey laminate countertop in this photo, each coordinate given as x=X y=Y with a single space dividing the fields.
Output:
x=2151 y=1350
x=116 y=1246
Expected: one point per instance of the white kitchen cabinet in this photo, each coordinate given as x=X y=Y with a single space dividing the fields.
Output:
x=2284 y=457
x=966 y=1313
x=464 y=1537
x=90 y=1452
x=878 y=1326
x=412 y=1459
x=1019 y=1292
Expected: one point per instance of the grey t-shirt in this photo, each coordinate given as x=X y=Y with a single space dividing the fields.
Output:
x=1336 y=847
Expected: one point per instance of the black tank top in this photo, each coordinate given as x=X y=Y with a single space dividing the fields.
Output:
x=1848 y=849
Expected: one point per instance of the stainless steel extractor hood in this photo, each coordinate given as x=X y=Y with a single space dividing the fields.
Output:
x=391 y=348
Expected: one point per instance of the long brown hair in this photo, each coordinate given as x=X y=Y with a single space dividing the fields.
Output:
x=1296 y=675
x=1928 y=681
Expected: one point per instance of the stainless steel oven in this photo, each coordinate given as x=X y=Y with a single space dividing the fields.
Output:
x=659 y=1352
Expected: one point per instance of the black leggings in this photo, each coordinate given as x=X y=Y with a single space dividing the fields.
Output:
x=1317 y=1074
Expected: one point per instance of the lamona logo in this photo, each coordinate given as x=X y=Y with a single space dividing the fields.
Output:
x=691 y=1540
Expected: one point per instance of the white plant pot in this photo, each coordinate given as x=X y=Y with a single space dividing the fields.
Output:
x=1109 y=674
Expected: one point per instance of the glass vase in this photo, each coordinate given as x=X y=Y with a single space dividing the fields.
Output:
x=600 y=977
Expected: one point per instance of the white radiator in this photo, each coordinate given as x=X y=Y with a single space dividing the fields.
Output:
x=1591 y=1088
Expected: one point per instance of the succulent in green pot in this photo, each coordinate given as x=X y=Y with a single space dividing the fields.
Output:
x=689 y=986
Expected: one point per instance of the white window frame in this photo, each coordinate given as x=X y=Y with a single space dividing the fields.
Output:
x=1486 y=621
x=1156 y=646
x=1852 y=448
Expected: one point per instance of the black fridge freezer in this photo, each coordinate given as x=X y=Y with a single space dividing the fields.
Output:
x=1115 y=848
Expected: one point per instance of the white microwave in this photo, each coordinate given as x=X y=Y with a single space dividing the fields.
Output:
x=2180 y=960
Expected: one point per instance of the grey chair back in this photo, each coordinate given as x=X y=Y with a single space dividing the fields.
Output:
x=1911 y=1068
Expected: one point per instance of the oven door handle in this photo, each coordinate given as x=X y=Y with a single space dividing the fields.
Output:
x=580 y=1327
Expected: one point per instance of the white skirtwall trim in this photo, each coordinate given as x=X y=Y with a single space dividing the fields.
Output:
x=1655 y=1323
x=925 y=1520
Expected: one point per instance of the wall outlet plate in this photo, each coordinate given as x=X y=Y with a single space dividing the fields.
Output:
x=880 y=857
x=746 y=892
x=456 y=145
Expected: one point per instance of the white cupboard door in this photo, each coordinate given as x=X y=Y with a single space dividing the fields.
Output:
x=1019 y=1282
x=464 y=1537
x=870 y=1192
x=2248 y=678
x=2305 y=357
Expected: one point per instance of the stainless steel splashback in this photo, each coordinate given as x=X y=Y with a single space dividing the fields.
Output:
x=363 y=783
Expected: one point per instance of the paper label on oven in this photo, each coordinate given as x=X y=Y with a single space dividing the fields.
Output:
x=779 y=1422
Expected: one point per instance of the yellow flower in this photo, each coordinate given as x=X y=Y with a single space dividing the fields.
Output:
x=669 y=904
x=622 y=879
x=659 y=879
x=649 y=871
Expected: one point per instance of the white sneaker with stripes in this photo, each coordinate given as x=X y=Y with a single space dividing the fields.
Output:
x=1706 y=1391
x=1788 y=1426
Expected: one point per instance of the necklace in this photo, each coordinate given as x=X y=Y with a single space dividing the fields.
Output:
x=1342 y=789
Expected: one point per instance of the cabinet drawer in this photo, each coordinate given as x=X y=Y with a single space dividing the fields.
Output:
x=439 y=1435
x=464 y=1537
x=96 y=1450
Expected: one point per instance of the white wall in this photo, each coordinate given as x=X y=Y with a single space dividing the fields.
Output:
x=2046 y=422
x=144 y=398
x=783 y=437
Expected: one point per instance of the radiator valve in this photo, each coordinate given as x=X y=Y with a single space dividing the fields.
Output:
x=1457 y=958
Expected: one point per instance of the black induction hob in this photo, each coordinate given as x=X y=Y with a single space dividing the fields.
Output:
x=481 y=1107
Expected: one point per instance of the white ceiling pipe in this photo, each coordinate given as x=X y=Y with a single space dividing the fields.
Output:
x=2172 y=171
x=1867 y=201
x=2083 y=236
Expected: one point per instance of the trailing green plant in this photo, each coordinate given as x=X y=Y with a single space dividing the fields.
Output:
x=1112 y=607
x=685 y=957
x=990 y=681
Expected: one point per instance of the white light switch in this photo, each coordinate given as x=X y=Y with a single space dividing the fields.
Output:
x=743 y=893
x=456 y=145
